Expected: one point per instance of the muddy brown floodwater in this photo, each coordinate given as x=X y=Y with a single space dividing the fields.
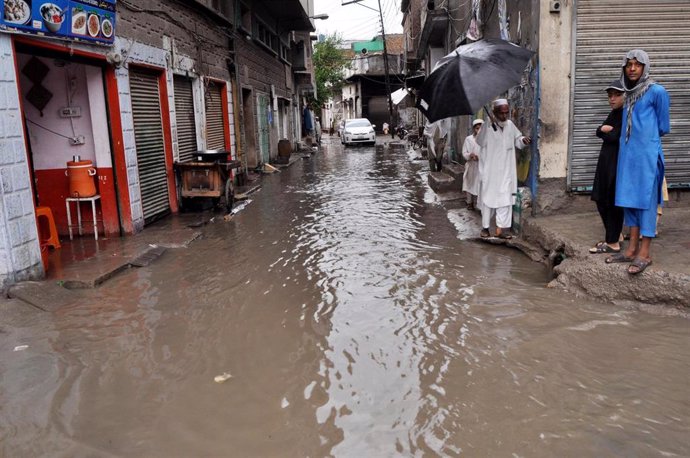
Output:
x=354 y=322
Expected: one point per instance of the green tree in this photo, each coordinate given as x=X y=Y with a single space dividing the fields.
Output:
x=330 y=61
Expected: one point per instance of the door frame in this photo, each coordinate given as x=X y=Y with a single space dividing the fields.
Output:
x=112 y=102
x=161 y=75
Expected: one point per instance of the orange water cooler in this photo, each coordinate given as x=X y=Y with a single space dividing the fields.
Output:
x=81 y=181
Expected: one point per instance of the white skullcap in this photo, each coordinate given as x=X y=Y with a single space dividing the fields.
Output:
x=477 y=121
x=500 y=102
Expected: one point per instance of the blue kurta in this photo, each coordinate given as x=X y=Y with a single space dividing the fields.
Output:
x=641 y=159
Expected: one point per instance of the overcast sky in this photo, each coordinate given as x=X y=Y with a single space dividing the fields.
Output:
x=354 y=21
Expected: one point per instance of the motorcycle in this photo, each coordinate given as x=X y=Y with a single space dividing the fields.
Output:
x=401 y=132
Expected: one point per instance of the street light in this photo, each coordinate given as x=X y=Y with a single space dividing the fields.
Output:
x=319 y=16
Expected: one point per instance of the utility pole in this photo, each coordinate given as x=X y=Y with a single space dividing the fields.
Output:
x=385 y=58
x=387 y=70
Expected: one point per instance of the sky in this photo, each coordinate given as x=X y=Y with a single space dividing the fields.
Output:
x=354 y=21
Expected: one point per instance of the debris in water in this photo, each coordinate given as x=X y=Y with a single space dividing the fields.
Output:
x=240 y=206
x=225 y=376
x=21 y=347
x=284 y=403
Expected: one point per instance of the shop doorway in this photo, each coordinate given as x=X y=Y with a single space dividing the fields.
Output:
x=262 y=110
x=65 y=110
x=216 y=100
x=184 y=117
x=249 y=129
x=149 y=137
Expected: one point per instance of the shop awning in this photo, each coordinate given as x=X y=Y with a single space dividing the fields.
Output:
x=399 y=95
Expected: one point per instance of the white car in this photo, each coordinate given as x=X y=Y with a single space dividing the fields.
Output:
x=358 y=130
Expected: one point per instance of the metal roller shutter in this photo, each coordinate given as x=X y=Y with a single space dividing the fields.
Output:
x=148 y=135
x=377 y=111
x=184 y=115
x=662 y=28
x=215 y=133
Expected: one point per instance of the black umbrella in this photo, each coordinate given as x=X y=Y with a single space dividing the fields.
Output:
x=469 y=77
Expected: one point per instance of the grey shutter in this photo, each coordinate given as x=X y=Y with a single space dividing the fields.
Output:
x=148 y=136
x=184 y=115
x=377 y=112
x=215 y=133
x=606 y=30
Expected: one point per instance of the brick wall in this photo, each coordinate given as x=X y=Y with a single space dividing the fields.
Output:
x=20 y=257
x=195 y=33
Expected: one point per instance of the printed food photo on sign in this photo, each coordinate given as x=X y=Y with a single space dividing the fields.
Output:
x=17 y=11
x=52 y=16
x=94 y=25
x=107 y=28
x=78 y=21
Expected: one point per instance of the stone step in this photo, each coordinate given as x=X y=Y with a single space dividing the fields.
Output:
x=441 y=182
x=397 y=146
x=456 y=171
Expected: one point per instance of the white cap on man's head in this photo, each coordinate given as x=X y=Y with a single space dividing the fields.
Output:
x=500 y=102
x=477 y=121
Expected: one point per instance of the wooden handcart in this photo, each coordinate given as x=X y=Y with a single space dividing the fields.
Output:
x=208 y=178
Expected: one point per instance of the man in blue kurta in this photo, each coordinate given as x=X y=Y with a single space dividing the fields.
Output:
x=640 y=158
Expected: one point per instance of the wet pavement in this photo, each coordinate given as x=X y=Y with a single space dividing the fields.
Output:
x=355 y=320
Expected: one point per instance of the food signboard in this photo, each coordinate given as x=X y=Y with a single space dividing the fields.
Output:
x=77 y=20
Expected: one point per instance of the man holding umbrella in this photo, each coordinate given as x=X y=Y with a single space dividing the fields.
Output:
x=498 y=170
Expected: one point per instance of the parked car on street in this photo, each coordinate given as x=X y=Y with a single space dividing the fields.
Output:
x=358 y=130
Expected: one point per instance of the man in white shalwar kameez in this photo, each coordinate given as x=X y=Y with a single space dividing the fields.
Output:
x=437 y=134
x=498 y=170
x=471 y=152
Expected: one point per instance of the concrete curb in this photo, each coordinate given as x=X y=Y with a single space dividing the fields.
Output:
x=589 y=275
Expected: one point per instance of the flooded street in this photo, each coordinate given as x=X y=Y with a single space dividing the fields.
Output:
x=354 y=322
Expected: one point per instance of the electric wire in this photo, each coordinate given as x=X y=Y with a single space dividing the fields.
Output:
x=45 y=128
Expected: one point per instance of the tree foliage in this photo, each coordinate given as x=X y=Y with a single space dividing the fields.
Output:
x=330 y=61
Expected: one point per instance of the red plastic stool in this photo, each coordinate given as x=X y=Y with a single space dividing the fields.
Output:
x=52 y=239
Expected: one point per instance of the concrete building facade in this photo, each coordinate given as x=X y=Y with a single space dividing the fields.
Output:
x=142 y=90
x=579 y=48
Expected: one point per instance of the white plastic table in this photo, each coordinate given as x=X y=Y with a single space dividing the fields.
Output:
x=79 y=200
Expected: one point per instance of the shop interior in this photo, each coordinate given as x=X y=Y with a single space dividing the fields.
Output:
x=68 y=141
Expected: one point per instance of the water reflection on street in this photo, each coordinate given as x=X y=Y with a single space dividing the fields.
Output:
x=354 y=322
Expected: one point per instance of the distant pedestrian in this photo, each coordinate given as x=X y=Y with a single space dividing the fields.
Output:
x=470 y=151
x=308 y=121
x=498 y=169
x=317 y=129
x=641 y=159
x=604 y=187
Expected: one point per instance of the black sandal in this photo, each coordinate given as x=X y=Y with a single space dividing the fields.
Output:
x=603 y=248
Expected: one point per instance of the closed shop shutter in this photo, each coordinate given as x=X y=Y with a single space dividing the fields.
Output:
x=377 y=112
x=148 y=135
x=606 y=30
x=184 y=115
x=215 y=133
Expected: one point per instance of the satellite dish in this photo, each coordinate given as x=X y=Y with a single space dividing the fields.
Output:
x=364 y=50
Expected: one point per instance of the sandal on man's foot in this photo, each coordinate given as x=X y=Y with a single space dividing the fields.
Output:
x=504 y=236
x=603 y=248
x=638 y=266
x=595 y=248
x=485 y=234
x=618 y=257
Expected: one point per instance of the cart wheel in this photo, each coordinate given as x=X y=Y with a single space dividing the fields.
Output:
x=229 y=194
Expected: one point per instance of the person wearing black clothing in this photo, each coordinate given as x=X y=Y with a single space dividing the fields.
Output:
x=604 y=189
